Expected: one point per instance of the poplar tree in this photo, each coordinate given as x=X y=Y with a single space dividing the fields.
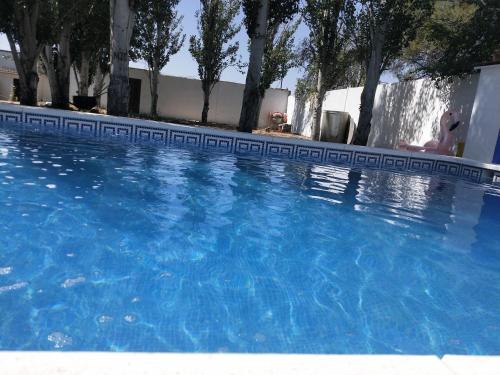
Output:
x=157 y=37
x=330 y=29
x=213 y=48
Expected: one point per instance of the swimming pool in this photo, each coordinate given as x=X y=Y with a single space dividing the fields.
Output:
x=114 y=246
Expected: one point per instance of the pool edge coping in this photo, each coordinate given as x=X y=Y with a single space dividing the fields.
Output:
x=124 y=363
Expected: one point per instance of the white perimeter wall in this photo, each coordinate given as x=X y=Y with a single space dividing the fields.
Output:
x=179 y=98
x=182 y=98
x=7 y=83
x=402 y=111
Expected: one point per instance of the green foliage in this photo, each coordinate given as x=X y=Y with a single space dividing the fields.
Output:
x=280 y=11
x=397 y=21
x=213 y=49
x=12 y=13
x=91 y=36
x=279 y=53
x=330 y=31
x=158 y=32
x=456 y=37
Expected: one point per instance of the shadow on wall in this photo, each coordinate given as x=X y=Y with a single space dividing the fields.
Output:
x=411 y=110
x=302 y=117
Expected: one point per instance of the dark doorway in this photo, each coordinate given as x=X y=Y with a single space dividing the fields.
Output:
x=15 y=90
x=134 y=101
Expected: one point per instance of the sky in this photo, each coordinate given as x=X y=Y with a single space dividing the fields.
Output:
x=183 y=65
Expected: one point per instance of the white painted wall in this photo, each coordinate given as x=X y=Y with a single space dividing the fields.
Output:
x=182 y=98
x=7 y=82
x=485 y=119
x=402 y=111
x=179 y=98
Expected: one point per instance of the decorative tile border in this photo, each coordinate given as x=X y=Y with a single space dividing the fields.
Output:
x=338 y=156
x=185 y=138
x=248 y=146
x=421 y=165
x=135 y=130
x=367 y=159
x=116 y=130
x=149 y=134
x=308 y=153
x=10 y=116
x=395 y=162
x=78 y=125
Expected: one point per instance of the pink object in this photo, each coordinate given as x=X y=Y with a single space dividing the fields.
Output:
x=444 y=146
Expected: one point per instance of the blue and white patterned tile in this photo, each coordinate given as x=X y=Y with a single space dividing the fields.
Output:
x=218 y=142
x=280 y=149
x=115 y=130
x=448 y=168
x=472 y=173
x=248 y=146
x=395 y=162
x=150 y=134
x=417 y=164
x=338 y=156
x=47 y=121
x=11 y=116
x=78 y=125
x=185 y=138
x=367 y=159
x=307 y=153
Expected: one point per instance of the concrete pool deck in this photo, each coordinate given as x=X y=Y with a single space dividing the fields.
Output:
x=100 y=363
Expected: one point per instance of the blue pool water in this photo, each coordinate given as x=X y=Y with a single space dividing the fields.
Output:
x=109 y=246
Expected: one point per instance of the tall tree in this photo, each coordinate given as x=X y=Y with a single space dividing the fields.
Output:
x=459 y=35
x=56 y=55
x=101 y=71
x=279 y=57
x=122 y=15
x=330 y=23
x=213 y=49
x=20 y=20
x=389 y=26
x=279 y=54
x=90 y=37
x=264 y=21
x=257 y=12
x=157 y=37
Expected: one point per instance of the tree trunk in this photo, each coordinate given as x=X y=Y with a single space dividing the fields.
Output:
x=259 y=106
x=154 y=74
x=318 y=107
x=59 y=68
x=98 y=84
x=122 y=25
x=26 y=66
x=249 y=116
x=84 y=70
x=206 y=103
x=64 y=67
x=373 y=72
x=27 y=58
x=47 y=56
